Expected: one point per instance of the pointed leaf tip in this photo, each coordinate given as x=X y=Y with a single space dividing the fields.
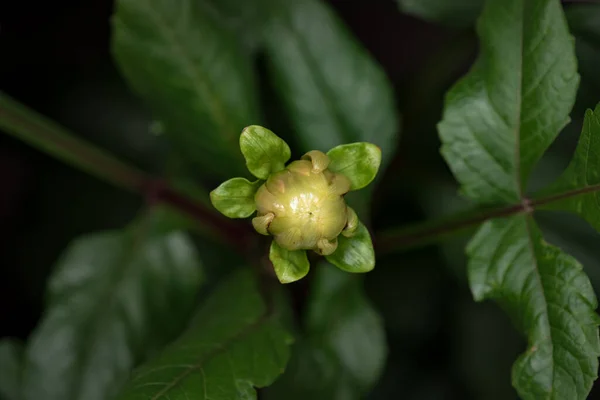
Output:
x=359 y=162
x=264 y=151
x=289 y=266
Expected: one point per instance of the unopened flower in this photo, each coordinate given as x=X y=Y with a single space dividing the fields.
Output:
x=302 y=205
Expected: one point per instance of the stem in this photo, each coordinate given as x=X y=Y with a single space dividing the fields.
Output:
x=422 y=234
x=426 y=233
x=43 y=134
x=27 y=125
x=47 y=136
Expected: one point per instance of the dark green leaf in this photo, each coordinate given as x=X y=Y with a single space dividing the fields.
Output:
x=500 y=119
x=344 y=350
x=114 y=298
x=357 y=161
x=235 y=345
x=192 y=73
x=332 y=89
x=459 y=13
x=549 y=298
x=235 y=198
x=289 y=266
x=265 y=152
x=11 y=354
x=578 y=189
x=354 y=254
x=340 y=315
x=243 y=18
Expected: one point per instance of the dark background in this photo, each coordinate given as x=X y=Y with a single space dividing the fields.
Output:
x=55 y=58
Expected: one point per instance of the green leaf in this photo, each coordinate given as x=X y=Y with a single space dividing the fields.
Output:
x=243 y=18
x=236 y=344
x=578 y=189
x=289 y=266
x=11 y=354
x=192 y=73
x=549 y=298
x=114 y=298
x=235 y=198
x=344 y=351
x=357 y=161
x=457 y=13
x=265 y=152
x=354 y=254
x=500 y=119
x=332 y=89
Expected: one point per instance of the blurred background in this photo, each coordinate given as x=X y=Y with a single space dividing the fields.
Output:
x=55 y=58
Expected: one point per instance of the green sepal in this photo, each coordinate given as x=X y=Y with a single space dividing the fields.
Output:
x=289 y=266
x=235 y=198
x=264 y=151
x=356 y=253
x=359 y=162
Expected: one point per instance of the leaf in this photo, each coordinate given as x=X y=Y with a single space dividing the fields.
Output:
x=265 y=152
x=237 y=344
x=510 y=107
x=578 y=189
x=457 y=13
x=235 y=198
x=354 y=254
x=498 y=122
x=245 y=19
x=344 y=351
x=332 y=89
x=359 y=162
x=289 y=266
x=549 y=298
x=193 y=75
x=11 y=354
x=113 y=299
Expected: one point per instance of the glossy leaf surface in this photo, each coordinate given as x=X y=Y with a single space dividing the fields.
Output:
x=550 y=299
x=113 y=299
x=332 y=89
x=344 y=349
x=235 y=345
x=193 y=74
x=359 y=162
x=500 y=119
x=354 y=254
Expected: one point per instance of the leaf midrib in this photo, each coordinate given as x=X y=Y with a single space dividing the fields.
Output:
x=217 y=350
x=540 y=283
x=101 y=308
x=320 y=82
x=519 y=111
x=195 y=73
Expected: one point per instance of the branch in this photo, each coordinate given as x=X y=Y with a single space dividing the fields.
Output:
x=426 y=233
x=45 y=135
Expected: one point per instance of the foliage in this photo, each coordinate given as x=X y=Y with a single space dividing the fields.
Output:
x=186 y=302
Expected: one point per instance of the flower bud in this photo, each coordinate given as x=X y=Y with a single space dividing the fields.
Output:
x=303 y=206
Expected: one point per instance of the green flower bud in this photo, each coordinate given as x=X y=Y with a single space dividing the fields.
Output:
x=302 y=205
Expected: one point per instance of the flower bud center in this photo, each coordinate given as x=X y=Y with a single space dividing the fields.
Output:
x=305 y=204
